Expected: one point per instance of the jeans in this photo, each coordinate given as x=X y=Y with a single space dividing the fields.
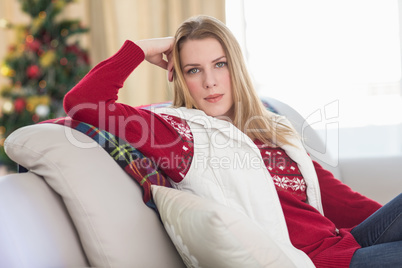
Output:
x=380 y=236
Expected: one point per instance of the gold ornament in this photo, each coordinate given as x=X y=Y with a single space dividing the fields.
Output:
x=42 y=14
x=64 y=32
x=47 y=58
x=42 y=84
x=7 y=71
x=34 y=101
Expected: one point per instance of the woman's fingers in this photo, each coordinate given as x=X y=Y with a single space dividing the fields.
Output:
x=156 y=46
x=162 y=63
x=155 y=49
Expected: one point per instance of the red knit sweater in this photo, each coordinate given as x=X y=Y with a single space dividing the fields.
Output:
x=169 y=141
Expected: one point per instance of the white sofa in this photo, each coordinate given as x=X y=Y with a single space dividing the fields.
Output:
x=75 y=207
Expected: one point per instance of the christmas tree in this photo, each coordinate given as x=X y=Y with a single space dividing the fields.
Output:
x=42 y=66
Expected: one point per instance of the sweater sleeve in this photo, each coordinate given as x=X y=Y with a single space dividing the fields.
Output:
x=94 y=101
x=343 y=206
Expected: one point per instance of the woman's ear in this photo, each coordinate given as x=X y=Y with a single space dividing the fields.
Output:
x=170 y=74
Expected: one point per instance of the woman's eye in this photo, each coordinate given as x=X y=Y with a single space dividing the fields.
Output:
x=221 y=64
x=193 y=71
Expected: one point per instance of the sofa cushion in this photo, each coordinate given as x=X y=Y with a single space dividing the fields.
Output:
x=208 y=234
x=116 y=228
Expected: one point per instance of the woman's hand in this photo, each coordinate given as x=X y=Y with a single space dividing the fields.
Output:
x=155 y=49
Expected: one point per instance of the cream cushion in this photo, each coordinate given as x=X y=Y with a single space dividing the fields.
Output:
x=115 y=227
x=208 y=234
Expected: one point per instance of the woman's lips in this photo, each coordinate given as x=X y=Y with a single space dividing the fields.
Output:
x=214 y=98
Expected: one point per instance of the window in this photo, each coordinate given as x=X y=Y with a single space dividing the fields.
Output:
x=314 y=54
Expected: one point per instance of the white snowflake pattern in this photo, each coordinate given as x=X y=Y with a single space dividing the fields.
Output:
x=184 y=130
x=293 y=184
x=281 y=182
x=298 y=184
x=181 y=128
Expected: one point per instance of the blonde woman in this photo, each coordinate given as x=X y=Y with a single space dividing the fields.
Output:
x=219 y=142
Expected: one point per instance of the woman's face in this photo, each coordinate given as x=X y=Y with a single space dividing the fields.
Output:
x=205 y=70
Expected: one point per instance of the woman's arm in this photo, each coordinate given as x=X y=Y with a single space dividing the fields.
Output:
x=93 y=100
x=343 y=206
x=96 y=94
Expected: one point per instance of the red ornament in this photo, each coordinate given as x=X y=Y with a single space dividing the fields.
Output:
x=33 y=71
x=63 y=61
x=19 y=105
x=73 y=49
x=33 y=45
x=35 y=118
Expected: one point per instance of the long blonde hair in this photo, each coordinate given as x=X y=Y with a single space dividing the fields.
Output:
x=250 y=115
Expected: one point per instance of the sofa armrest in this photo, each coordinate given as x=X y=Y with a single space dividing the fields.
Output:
x=378 y=178
x=35 y=229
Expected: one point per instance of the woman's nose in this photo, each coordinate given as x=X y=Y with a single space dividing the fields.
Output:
x=209 y=80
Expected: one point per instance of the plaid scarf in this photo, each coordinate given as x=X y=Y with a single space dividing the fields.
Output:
x=141 y=168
